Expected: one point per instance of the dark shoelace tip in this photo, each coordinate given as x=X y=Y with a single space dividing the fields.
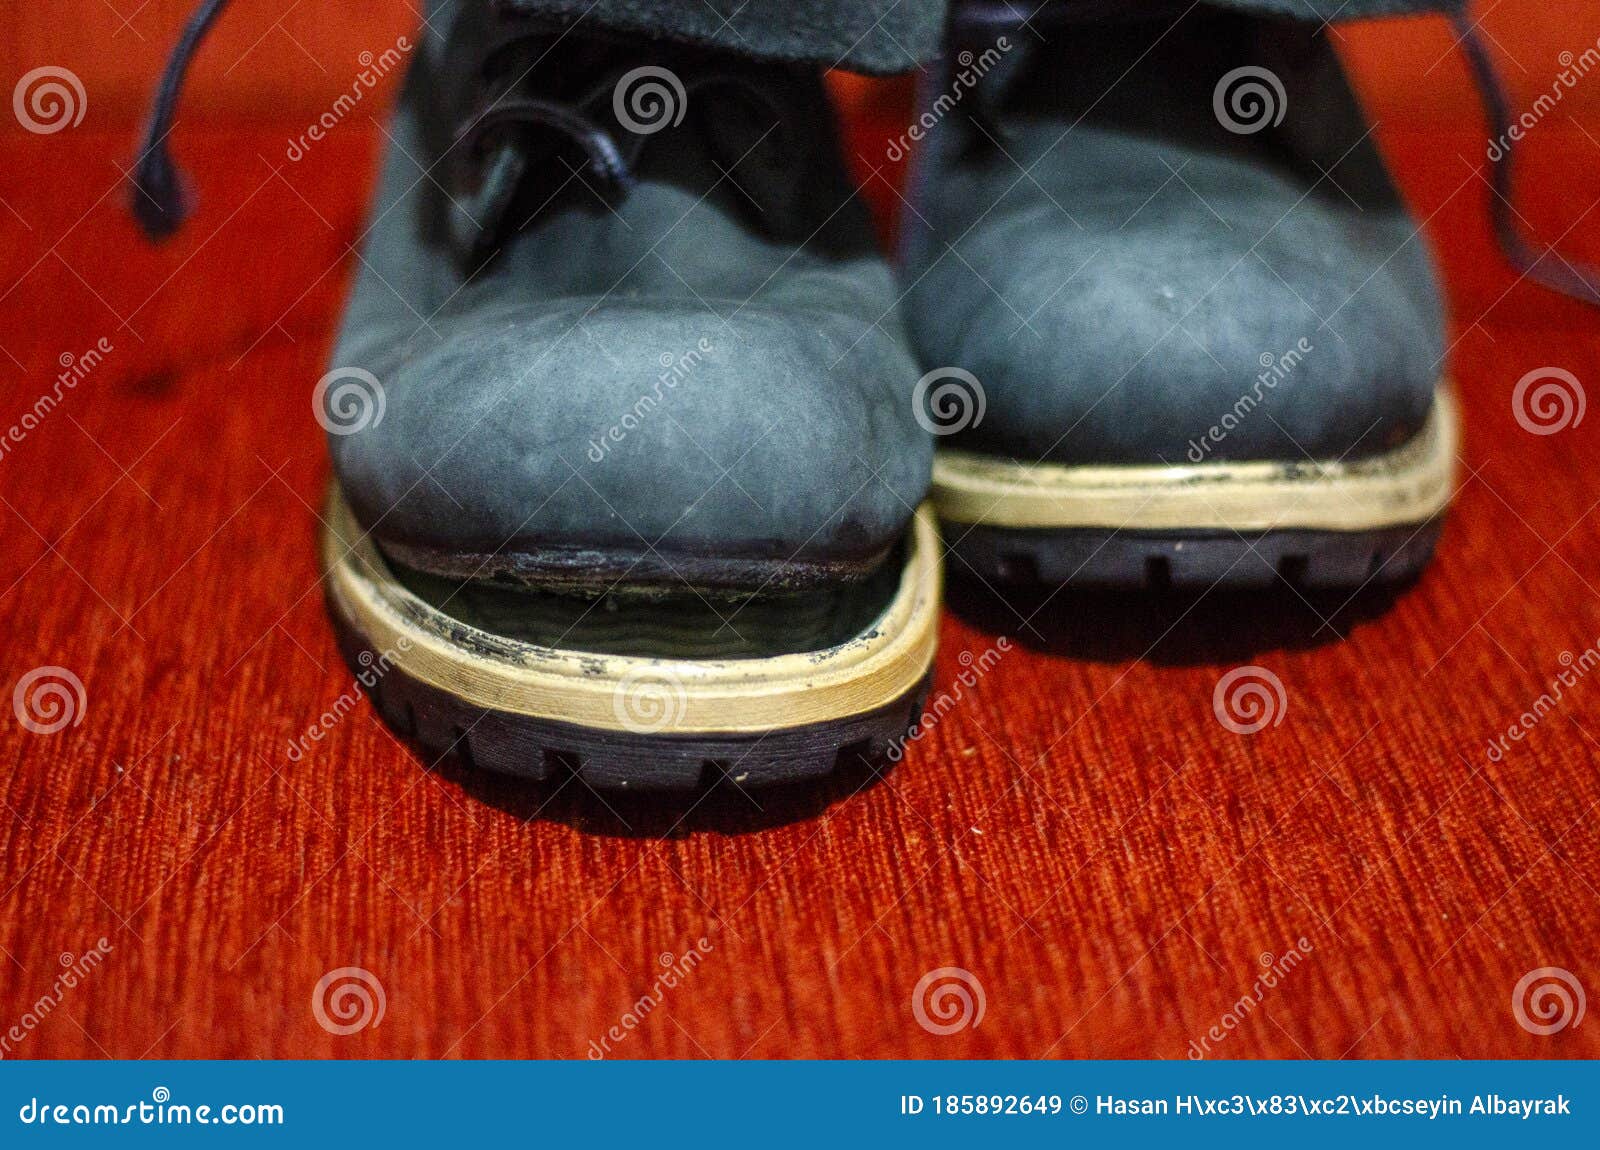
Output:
x=158 y=202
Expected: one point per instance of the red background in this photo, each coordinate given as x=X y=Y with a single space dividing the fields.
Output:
x=1080 y=834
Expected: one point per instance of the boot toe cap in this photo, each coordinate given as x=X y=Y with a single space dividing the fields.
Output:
x=632 y=428
x=1130 y=344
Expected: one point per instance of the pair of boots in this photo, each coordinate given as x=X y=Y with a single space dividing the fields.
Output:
x=635 y=430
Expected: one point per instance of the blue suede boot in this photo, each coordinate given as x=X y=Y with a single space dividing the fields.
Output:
x=626 y=481
x=1192 y=333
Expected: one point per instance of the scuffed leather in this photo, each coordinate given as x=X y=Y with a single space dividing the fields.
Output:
x=1124 y=268
x=526 y=405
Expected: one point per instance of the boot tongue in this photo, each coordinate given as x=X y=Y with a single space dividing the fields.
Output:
x=1068 y=57
x=562 y=120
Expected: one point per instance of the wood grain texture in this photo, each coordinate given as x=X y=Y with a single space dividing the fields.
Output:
x=1078 y=830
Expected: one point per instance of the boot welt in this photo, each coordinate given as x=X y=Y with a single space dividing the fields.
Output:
x=1330 y=524
x=1411 y=484
x=622 y=721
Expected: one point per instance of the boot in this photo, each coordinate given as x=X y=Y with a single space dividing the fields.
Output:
x=1203 y=333
x=625 y=478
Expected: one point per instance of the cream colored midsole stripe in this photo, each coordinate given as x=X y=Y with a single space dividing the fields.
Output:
x=651 y=696
x=1408 y=485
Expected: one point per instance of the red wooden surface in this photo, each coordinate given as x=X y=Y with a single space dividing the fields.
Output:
x=1079 y=833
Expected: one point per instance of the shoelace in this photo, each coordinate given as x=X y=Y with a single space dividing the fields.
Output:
x=613 y=162
x=157 y=190
x=1577 y=279
x=607 y=156
x=488 y=140
x=158 y=193
x=158 y=200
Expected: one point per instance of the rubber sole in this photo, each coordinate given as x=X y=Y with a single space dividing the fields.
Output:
x=1329 y=524
x=544 y=750
x=627 y=721
x=1129 y=559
